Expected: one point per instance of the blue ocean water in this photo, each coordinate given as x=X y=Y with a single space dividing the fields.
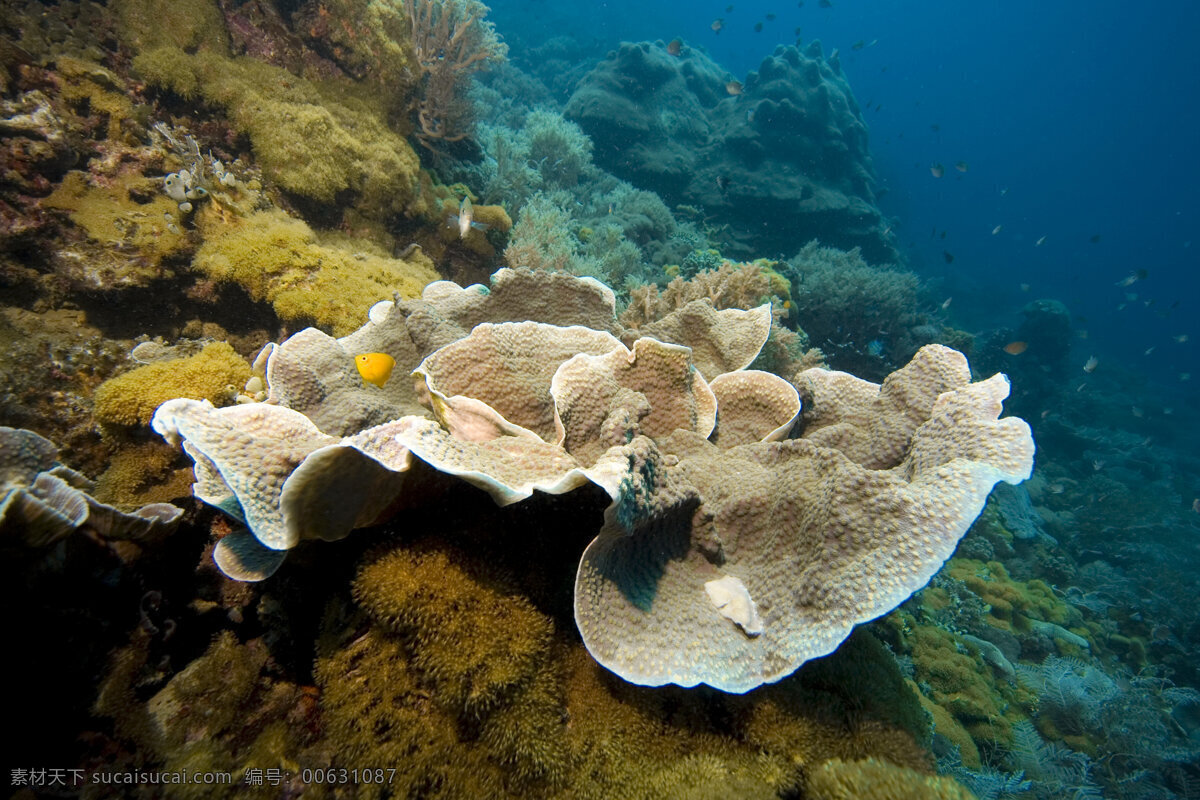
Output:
x=1074 y=120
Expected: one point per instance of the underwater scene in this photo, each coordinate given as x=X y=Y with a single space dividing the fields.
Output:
x=427 y=399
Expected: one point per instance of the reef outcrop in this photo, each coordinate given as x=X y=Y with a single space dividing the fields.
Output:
x=781 y=157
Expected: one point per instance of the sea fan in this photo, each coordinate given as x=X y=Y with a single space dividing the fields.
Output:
x=1057 y=771
x=1070 y=691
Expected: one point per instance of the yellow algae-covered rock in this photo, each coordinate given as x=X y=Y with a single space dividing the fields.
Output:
x=129 y=241
x=280 y=260
x=131 y=398
x=315 y=142
x=1014 y=605
x=100 y=90
x=879 y=780
x=949 y=728
x=144 y=24
x=141 y=474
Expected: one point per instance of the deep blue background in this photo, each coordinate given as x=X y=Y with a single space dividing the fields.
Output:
x=1085 y=112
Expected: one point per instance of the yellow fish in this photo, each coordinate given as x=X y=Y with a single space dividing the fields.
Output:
x=375 y=368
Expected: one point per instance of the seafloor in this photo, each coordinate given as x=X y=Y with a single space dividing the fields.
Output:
x=184 y=184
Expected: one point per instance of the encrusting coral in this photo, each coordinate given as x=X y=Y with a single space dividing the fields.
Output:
x=854 y=528
x=42 y=501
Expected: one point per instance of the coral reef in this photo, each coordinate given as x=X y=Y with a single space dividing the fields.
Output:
x=306 y=141
x=784 y=156
x=634 y=421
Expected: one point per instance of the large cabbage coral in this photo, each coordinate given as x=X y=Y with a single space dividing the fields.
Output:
x=727 y=564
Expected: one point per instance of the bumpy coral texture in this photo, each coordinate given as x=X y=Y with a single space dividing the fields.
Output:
x=729 y=567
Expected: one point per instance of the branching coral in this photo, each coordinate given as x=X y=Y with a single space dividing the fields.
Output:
x=450 y=41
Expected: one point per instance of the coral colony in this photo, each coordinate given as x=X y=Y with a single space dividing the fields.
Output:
x=445 y=444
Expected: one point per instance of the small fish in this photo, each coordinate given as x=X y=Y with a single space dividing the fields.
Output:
x=1025 y=287
x=946 y=254
x=1016 y=348
x=1137 y=412
x=464 y=219
x=946 y=303
x=728 y=9
x=717 y=25
x=375 y=368
x=758 y=26
x=961 y=166
x=675 y=47
x=824 y=4
x=722 y=183
x=1095 y=239
x=997 y=229
x=770 y=17
x=1040 y=242
x=1185 y=376
x=1004 y=191
x=1098 y=464
x=1196 y=505
x=937 y=170
x=734 y=88
x=1128 y=280
x=1181 y=338
x=1121 y=306
x=1056 y=488
x=1080 y=387
x=859 y=45
x=1090 y=365
x=1149 y=350
x=798 y=30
